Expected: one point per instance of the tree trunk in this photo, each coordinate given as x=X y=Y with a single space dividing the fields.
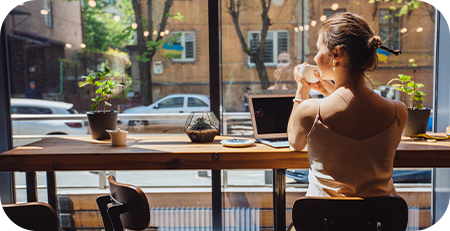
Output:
x=262 y=73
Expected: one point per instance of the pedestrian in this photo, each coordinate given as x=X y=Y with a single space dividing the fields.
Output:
x=33 y=92
x=247 y=92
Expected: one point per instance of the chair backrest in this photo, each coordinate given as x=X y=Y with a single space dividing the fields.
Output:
x=136 y=211
x=37 y=216
x=350 y=213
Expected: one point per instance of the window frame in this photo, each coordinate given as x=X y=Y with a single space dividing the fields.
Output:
x=390 y=26
x=275 y=46
x=183 y=58
x=48 y=18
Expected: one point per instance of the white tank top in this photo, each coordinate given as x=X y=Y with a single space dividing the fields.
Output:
x=344 y=167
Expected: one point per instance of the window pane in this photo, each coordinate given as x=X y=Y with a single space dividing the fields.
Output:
x=193 y=102
x=173 y=102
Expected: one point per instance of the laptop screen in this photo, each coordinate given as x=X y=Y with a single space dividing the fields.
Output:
x=271 y=114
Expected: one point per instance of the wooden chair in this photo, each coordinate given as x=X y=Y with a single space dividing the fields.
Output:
x=126 y=207
x=37 y=216
x=387 y=213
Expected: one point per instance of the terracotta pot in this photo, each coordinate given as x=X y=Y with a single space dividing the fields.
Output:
x=100 y=122
x=417 y=122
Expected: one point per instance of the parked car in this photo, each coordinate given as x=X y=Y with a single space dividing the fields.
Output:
x=176 y=103
x=45 y=127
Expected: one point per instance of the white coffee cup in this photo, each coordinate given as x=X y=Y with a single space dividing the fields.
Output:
x=307 y=71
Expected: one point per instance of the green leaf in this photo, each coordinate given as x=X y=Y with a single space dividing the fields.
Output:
x=396 y=79
x=411 y=60
x=81 y=84
x=108 y=104
x=396 y=85
x=419 y=106
x=414 y=65
x=419 y=85
x=93 y=107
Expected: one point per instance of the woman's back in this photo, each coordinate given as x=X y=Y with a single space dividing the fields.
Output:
x=355 y=157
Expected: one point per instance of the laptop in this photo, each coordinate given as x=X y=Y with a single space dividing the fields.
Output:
x=270 y=116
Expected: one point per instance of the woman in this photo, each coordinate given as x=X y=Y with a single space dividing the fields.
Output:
x=353 y=133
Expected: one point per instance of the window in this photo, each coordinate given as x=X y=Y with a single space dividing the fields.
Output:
x=276 y=42
x=172 y=102
x=187 y=41
x=330 y=12
x=194 y=102
x=30 y=110
x=48 y=17
x=390 y=26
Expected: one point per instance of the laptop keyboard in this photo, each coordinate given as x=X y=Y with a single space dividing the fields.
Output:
x=282 y=139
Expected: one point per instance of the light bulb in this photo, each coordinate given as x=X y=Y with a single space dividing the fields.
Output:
x=82 y=45
x=161 y=34
x=296 y=29
x=92 y=3
x=155 y=32
x=68 y=45
x=403 y=30
x=335 y=6
x=323 y=18
x=146 y=33
x=166 y=32
x=116 y=18
x=134 y=26
x=306 y=27
x=300 y=28
x=21 y=4
x=420 y=29
x=313 y=23
x=44 y=12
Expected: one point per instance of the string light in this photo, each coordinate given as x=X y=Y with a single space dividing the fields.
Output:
x=335 y=6
x=21 y=4
x=161 y=34
x=134 y=26
x=300 y=28
x=296 y=29
x=116 y=18
x=146 y=33
x=155 y=32
x=306 y=27
x=68 y=45
x=166 y=32
x=420 y=29
x=82 y=45
x=44 y=12
x=92 y=3
x=323 y=18
x=403 y=30
x=313 y=23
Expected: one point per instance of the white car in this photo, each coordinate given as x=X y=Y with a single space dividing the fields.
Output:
x=45 y=127
x=176 y=103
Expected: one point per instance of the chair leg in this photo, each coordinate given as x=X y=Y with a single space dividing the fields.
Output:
x=114 y=212
x=102 y=203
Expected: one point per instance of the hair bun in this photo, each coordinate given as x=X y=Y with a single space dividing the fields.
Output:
x=375 y=41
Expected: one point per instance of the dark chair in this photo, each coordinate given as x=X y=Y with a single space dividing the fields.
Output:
x=387 y=213
x=126 y=207
x=37 y=216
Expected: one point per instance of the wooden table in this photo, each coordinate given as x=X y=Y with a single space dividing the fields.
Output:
x=159 y=152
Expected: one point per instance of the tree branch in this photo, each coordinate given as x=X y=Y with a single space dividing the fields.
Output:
x=234 y=12
x=162 y=26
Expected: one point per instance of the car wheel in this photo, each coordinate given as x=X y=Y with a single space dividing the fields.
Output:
x=138 y=125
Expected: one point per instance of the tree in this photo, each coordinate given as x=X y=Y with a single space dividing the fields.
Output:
x=256 y=56
x=147 y=47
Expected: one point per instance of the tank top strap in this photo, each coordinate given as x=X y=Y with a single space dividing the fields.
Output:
x=317 y=117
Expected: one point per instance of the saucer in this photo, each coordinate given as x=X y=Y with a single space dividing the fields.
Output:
x=237 y=142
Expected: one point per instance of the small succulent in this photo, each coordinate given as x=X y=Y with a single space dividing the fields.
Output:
x=201 y=124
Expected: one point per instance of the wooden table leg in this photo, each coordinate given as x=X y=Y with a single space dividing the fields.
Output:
x=279 y=199
x=51 y=190
x=31 y=186
x=216 y=200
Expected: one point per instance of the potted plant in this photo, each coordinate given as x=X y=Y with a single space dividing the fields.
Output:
x=202 y=126
x=101 y=117
x=411 y=96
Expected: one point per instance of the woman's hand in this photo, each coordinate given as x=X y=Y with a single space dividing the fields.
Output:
x=323 y=86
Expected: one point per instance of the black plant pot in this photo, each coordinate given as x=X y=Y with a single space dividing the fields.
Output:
x=99 y=122
x=417 y=122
